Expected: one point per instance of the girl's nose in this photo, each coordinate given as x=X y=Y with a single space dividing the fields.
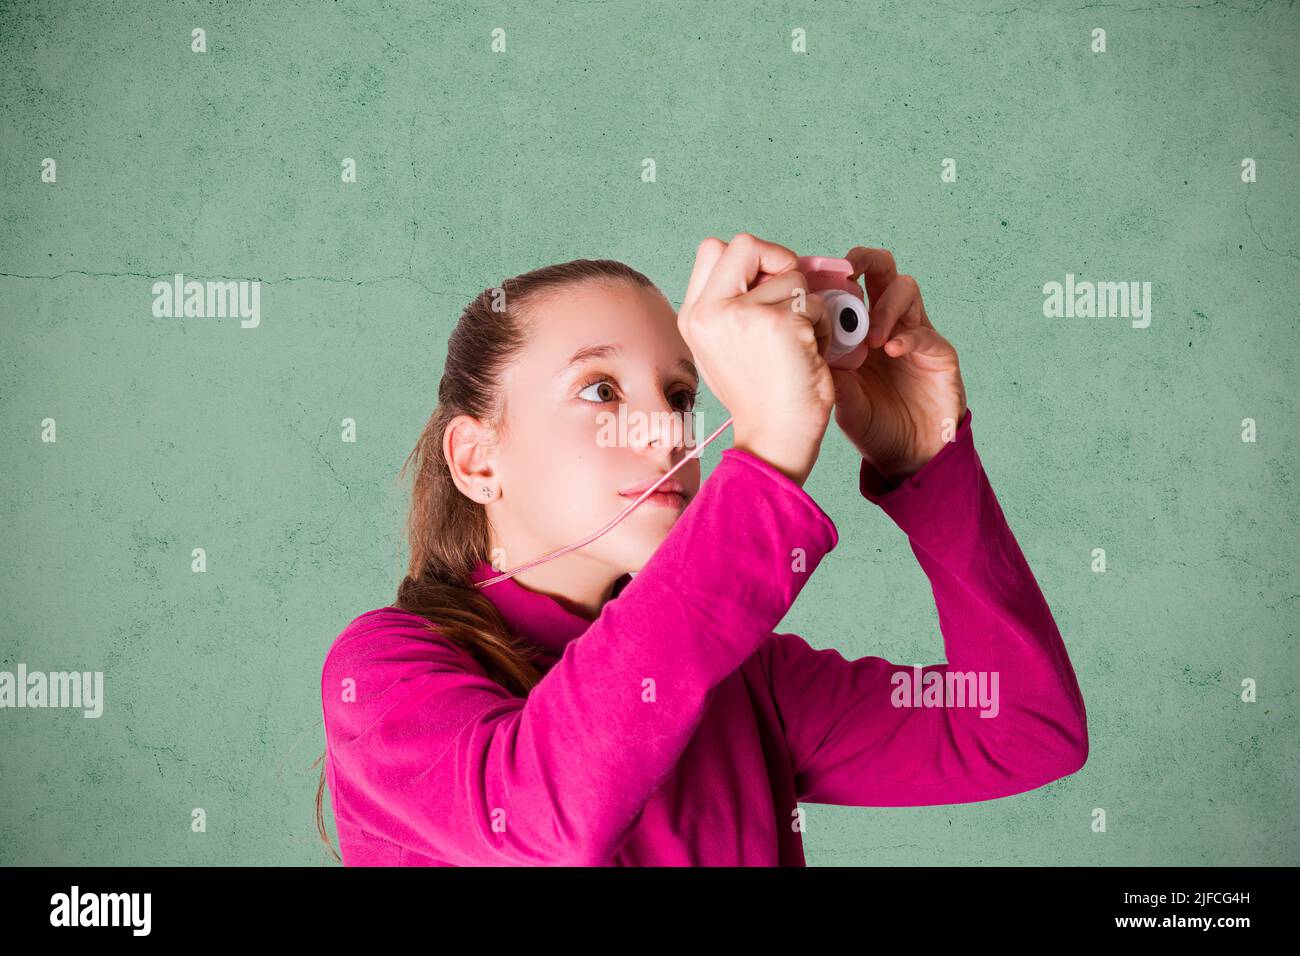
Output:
x=661 y=426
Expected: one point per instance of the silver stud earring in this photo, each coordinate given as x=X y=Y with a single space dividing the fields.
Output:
x=487 y=491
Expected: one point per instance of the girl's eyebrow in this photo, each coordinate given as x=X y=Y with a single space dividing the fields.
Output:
x=606 y=351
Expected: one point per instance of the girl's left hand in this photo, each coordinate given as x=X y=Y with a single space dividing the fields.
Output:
x=895 y=406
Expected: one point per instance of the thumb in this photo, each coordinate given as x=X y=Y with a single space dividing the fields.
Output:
x=852 y=407
x=850 y=403
x=921 y=340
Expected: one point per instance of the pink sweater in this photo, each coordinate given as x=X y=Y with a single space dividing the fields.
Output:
x=678 y=728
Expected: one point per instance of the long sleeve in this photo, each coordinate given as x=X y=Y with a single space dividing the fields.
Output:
x=853 y=736
x=438 y=758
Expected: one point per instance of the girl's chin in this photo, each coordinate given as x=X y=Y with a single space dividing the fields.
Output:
x=641 y=548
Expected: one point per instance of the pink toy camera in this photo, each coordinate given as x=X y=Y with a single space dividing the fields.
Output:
x=830 y=278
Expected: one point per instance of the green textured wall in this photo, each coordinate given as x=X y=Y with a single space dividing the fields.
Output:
x=472 y=165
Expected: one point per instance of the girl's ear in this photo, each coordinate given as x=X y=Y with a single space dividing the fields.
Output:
x=468 y=447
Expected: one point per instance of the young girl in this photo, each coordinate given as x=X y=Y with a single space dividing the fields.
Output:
x=628 y=702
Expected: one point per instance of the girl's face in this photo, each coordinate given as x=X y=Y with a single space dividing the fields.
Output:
x=597 y=404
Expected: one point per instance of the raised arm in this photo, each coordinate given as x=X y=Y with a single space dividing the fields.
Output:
x=850 y=744
x=438 y=758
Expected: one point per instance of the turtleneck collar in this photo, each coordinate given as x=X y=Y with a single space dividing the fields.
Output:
x=537 y=618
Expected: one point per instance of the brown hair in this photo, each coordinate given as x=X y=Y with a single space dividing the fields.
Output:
x=447 y=532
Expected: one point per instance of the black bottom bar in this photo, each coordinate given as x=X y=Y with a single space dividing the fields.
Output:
x=924 y=904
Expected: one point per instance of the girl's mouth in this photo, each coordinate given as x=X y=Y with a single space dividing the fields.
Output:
x=666 y=499
x=670 y=494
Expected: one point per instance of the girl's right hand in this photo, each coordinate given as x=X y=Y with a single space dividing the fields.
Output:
x=760 y=357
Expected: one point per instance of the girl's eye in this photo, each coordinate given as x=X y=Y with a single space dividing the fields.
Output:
x=686 y=397
x=596 y=384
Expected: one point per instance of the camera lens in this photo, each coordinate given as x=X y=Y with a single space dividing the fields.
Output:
x=849 y=321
